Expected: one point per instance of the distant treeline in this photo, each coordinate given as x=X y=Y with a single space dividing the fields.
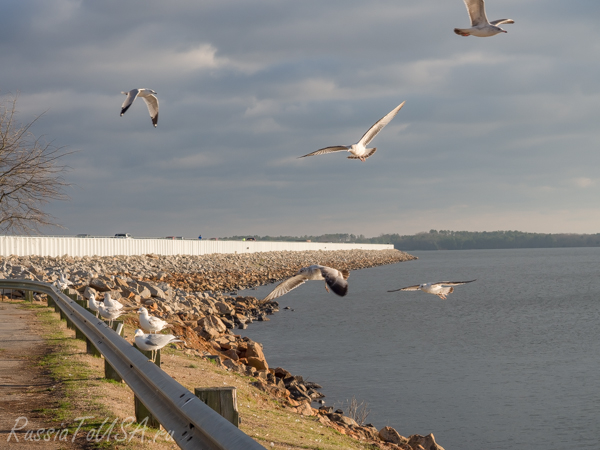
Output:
x=452 y=240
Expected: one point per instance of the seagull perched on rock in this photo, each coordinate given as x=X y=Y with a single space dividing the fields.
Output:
x=153 y=342
x=441 y=288
x=480 y=26
x=334 y=279
x=109 y=313
x=151 y=323
x=148 y=95
x=360 y=150
x=110 y=303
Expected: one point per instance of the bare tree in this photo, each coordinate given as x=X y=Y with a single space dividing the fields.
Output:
x=31 y=173
x=357 y=411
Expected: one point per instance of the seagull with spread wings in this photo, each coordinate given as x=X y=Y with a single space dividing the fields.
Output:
x=149 y=96
x=360 y=150
x=480 y=26
x=334 y=279
x=441 y=288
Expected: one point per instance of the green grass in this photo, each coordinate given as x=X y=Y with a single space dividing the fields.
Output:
x=74 y=380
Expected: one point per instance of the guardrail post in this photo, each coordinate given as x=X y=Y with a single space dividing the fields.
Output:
x=142 y=413
x=50 y=301
x=222 y=399
x=109 y=371
x=148 y=354
x=29 y=296
x=78 y=333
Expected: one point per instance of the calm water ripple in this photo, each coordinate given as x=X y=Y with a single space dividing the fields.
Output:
x=510 y=361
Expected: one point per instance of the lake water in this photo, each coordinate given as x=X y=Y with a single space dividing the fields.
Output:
x=509 y=361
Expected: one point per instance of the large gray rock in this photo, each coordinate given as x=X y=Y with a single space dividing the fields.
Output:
x=155 y=291
x=223 y=308
x=102 y=284
x=212 y=327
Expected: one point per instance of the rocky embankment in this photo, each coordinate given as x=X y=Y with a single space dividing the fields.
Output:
x=196 y=294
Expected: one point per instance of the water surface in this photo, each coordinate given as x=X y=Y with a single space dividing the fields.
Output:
x=509 y=361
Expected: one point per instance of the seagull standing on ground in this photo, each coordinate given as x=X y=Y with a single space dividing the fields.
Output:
x=480 y=26
x=151 y=323
x=360 y=150
x=149 y=96
x=153 y=342
x=441 y=288
x=334 y=279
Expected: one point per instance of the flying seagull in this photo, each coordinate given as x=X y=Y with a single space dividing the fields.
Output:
x=360 y=150
x=148 y=95
x=151 y=323
x=480 y=26
x=334 y=279
x=441 y=288
x=153 y=342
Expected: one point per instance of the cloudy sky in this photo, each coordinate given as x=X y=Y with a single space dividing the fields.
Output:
x=497 y=133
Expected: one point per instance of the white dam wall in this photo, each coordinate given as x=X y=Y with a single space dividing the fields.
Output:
x=111 y=246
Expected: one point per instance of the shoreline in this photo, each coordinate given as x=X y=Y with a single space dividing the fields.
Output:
x=188 y=292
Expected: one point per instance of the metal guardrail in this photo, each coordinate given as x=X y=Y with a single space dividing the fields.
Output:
x=194 y=424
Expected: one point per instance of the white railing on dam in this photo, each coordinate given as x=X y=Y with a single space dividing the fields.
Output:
x=110 y=246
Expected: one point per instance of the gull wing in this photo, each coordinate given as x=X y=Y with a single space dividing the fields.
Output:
x=375 y=129
x=156 y=321
x=373 y=150
x=286 y=286
x=160 y=340
x=476 y=10
x=131 y=96
x=451 y=283
x=323 y=151
x=416 y=287
x=337 y=284
x=152 y=104
x=501 y=21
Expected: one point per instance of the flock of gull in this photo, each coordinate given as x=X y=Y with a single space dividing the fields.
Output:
x=110 y=309
x=336 y=280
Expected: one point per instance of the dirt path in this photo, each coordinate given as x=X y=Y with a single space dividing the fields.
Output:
x=24 y=387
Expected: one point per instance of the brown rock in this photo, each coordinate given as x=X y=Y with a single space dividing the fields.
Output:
x=388 y=434
x=305 y=409
x=426 y=442
x=257 y=363
x=231 y=354
x=255 y=349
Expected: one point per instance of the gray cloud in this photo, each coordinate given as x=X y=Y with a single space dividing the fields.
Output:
x=496 y=133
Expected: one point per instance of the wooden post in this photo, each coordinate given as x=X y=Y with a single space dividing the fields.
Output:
x=109 y=371
x=141 y=413
x=50 y=301
x=91 y=349
x=29 y=296
x=148 y=354
x=222 y=399
x=78 y=333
